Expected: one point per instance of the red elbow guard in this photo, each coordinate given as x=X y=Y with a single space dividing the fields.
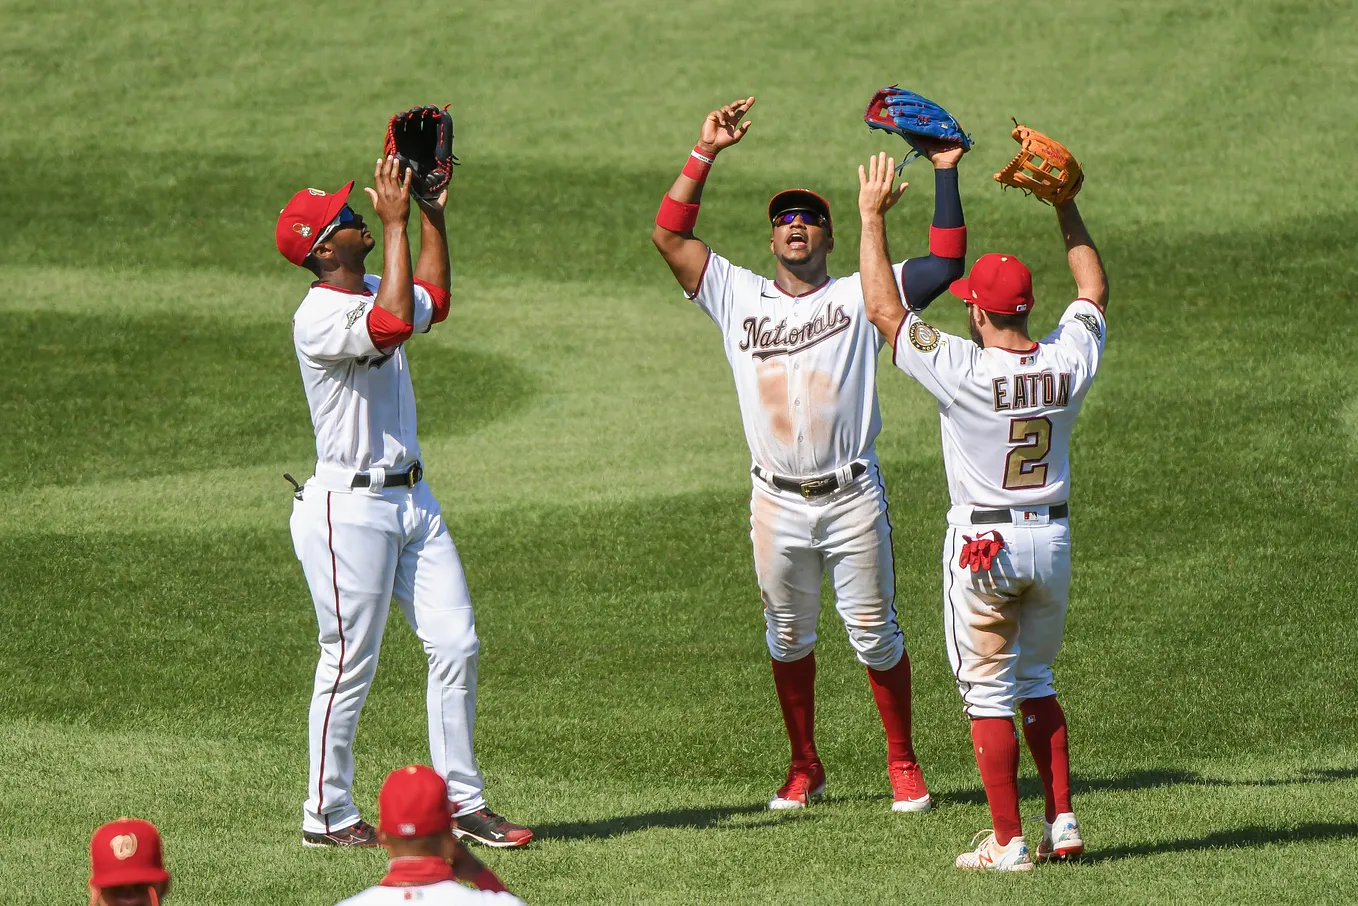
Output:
x=676 y=216
x=386 y=330
x=948 y=242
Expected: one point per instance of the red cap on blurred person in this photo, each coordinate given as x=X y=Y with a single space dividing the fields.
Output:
x=126 y=852
x=999 y=283
x=413 y=802
x=301 y=222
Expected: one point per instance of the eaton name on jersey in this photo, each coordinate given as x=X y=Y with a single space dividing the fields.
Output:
x=1029 y=391
x=764 y=339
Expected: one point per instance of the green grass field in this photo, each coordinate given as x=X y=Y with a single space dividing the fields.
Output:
x=580 y=428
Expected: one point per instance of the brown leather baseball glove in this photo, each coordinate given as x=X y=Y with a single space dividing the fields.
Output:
x=1043 y=167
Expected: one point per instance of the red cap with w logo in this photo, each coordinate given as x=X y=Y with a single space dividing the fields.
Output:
x=125 y=852
x=309 y=212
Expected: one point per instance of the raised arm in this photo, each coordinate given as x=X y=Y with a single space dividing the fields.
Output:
x=673 y=234
x=391 y=201
x=923 y=278
x=876 y=196
x=1091 y=281
x=432 y=269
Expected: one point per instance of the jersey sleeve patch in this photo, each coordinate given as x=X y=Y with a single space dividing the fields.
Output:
x=923 y=336
x=1092 y=323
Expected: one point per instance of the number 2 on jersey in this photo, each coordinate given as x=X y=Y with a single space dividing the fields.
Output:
x=1023 y=467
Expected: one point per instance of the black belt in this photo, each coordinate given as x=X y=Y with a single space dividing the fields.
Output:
x=995 y=517
x=407 y=479
x=810 y=487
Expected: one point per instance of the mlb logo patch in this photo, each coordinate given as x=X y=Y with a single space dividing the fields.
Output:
x=1027 y=359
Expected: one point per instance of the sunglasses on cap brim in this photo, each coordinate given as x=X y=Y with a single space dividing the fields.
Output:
x=344 y=218
x=811 y=218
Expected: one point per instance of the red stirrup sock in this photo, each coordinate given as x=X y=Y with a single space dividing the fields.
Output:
x=891 y=691
x=997 y=755
x=796 y=685
x=1044 y=729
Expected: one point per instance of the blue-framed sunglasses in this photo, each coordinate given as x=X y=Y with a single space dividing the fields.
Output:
x=810 y=218
x=344 y=218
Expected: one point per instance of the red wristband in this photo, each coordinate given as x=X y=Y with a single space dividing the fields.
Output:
x=948 y=242
x=698 y=165
x=676 y=216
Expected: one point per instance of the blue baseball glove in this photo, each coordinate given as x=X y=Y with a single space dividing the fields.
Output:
x=913 y=117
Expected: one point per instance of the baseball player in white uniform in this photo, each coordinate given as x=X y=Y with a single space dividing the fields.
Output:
x=365 y=527
x=1008 y=406
x=804 y=358
x=415 y=826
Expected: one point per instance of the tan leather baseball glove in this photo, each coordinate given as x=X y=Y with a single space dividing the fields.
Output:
x=1043 y=167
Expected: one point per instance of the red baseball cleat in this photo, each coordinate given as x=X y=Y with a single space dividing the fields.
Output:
x=490 y=829
x=805 y=781
x=907 y=786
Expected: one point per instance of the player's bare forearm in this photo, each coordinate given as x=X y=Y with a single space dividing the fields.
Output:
x=877 y=194
x=397 y=292
x=880 y=296
x=1091 y=280
x=433 y=266
x=683 y=252
x=673 y=234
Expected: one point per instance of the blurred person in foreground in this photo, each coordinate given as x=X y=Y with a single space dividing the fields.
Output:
x=415 y=825
x=126 y=865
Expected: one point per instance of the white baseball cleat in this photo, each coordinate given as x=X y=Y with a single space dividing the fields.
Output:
x=1060 y=839
x=990 y=856
x=805 y=781
x=907 y=787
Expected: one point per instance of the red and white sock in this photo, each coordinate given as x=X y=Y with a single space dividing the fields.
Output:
x=796 y=685
x=891 y=691
x=997 y=755
x=1044 y=729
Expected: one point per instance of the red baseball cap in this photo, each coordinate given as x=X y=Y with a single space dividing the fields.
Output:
x=799 y=200
x=125 y=852
x=999 y=283
x=309 y=212
x=413 y=802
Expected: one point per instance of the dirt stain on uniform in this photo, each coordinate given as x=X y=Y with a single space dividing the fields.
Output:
x=822 y=396
x=992 y=633
x=773 y=398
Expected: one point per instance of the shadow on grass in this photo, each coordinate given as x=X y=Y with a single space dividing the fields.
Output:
x=1153 y=779
x=697 y=818
x=1227 y=839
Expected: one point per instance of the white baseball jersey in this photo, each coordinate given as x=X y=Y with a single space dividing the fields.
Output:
x=805 y=367
x=362 y=403
x=1007 y=414
x=443 y=893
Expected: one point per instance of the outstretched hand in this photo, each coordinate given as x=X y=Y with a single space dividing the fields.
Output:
x=391 y=197
x=723 y=128
x=434 y=207
x=876 y=194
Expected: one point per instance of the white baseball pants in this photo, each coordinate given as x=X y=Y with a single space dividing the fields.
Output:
x=1004 y=625
x=847 y=533
x=360 y=549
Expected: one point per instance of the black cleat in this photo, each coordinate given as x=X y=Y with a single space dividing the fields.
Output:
x=490 y=829
x=359 y=834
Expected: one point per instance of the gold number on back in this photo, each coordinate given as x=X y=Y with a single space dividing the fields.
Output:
x=1023 y=467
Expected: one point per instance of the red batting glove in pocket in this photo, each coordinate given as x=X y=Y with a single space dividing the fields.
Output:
x=979 y=553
